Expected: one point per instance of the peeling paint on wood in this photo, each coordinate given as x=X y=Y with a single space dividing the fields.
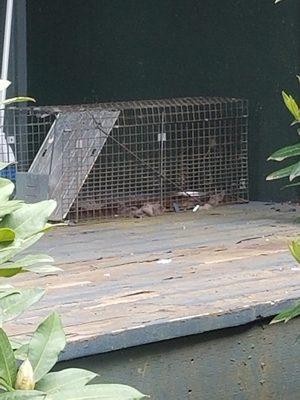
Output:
x=119 y=296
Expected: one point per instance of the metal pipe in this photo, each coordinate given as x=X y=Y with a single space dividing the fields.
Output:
x=6 y=152
x=6 y=43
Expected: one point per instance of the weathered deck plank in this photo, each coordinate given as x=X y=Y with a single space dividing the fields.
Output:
x=228 y=267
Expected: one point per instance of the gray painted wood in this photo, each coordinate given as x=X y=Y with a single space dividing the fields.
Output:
x=252 y=362
x=228 y=267
x=66 y=157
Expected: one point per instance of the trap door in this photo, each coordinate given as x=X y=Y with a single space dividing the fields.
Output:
x=69 y=152
x=127 y=173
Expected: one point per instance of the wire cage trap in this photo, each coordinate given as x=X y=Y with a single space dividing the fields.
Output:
x=131 y=158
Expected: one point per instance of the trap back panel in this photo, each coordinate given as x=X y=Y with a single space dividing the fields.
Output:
x=110 y=159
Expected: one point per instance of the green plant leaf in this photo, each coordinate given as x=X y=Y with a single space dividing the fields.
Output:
x=294 y=247
x=100 y=392
x=281 y=173
x=6 y=235
x=28 y=263
x=8 y=365
x=20 y=349
x=17 y=247
x=24 y=244
x=287 y=315
x=8 y=207
x=17 y=100
x=5 y=287
x=4 y=386
x=290 y=185
x=295 y=172
x=48 y=227
x=6 y=189
x=42 y=269
x=29 y=219
x=15 y=304
x=9 y=271
x=65 y=379
x=7 y=252
x=15 y=344
x=286 y=152
x=8 y=292
x=291 y=105
x=46 y=344
x=21 y=353
x=29 y=260
x=23 y=395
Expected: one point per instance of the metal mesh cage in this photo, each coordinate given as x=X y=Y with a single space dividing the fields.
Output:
x=114 y=159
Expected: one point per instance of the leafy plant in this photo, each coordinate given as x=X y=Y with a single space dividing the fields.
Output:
x=21 y=225
x=4 y=84
x=32 y=378
x=293 y=312
x=293 y=170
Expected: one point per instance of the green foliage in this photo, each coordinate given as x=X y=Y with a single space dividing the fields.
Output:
x=294 y=247
x=293 y=312
x=23 y=395
x=29 y=219
x=70 y=384
x=17 y=100
x=292 y=171
x=286 y=152
x=6 y=189
x=8 y=207
x=46 y=344
x=66 y=379
x=14 y=304
x=287 y=315
x=99 y=392
x=8 y=363
x=21 y=225
x=4 y=84
x=292 y=106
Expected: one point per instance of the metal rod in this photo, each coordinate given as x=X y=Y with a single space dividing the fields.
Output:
x=162 y=140
x=7 y=153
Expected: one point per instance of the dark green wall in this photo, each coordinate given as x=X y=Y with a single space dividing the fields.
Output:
x=99 y=50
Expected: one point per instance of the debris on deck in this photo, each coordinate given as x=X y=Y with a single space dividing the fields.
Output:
x=131 y=282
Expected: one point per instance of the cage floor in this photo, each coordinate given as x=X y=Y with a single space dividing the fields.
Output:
x=131 y=282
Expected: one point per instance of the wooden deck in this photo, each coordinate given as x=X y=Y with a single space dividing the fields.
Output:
x=131 y=282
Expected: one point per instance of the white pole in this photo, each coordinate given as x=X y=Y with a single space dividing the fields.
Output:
x=6 y=154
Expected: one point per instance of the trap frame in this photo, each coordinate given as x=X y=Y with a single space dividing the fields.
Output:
x=110 y=159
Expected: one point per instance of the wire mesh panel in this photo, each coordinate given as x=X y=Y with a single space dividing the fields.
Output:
x=23 y=132
x=170 y=154
x=126 y=174
x=134 y=158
